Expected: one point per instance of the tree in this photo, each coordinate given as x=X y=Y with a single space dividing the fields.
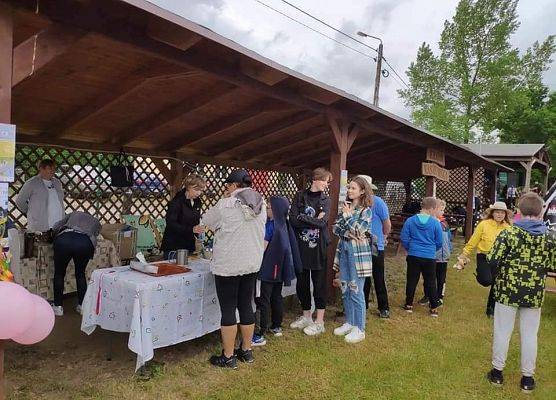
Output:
x=462 y=92
x=530 y=118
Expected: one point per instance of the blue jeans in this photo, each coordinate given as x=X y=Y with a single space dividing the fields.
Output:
x=352 y=287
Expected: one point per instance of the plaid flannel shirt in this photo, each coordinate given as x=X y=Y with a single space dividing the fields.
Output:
x=352 y=230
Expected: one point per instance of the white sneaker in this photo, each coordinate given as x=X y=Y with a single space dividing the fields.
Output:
x=79 y=309
x=355 y=336
x=314 y=329
x=58 y=310
x=301 y=323
x=343 y=330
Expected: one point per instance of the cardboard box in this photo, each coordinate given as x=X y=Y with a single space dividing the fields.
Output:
x=125 y=241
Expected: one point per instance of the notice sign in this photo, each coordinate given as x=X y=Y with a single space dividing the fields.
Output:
x=436 y=156
x=430 y=169
x=343 y=187
x=7 y=152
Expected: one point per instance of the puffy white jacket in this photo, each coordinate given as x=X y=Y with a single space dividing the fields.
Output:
x=238 y=228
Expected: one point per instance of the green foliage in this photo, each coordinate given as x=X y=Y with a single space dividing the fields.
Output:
x=463 y=92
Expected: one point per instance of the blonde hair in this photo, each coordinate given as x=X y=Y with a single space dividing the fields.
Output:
x=321 y=174
x=440 y=203
x=195 y=180
x=366 y=199
x=429 y=203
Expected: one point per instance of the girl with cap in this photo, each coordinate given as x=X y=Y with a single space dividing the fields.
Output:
x=496 y=218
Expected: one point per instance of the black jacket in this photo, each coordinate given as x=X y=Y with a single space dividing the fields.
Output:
x=180 y=220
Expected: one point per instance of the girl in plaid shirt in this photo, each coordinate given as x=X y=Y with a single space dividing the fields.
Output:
x=353 y=260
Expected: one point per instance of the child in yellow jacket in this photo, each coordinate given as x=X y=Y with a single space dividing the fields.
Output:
x=496 y=219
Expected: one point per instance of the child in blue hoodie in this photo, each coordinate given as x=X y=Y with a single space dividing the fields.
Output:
x=421 y=237
x=281 y=260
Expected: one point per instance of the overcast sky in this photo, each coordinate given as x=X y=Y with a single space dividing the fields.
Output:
x=402 y=24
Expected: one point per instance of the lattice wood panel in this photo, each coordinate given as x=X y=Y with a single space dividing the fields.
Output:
x=393 y=194
x=86 y=182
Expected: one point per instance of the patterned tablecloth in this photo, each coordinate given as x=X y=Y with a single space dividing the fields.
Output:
x=156 y=311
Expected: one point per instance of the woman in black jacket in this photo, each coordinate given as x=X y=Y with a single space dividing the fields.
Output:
x=183 y=216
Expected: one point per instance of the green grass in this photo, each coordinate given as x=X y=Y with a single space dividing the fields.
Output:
x=406 y=357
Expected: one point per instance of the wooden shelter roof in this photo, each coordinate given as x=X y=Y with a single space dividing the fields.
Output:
x=107 y=74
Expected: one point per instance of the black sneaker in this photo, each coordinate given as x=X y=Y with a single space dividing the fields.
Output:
x=245 y=356
x=424 y=301
x=527 y=384
x=440 y=302
x=385 y=314
x=490 y=312
x=224 y=362
x=408 y=308
x=495 y=377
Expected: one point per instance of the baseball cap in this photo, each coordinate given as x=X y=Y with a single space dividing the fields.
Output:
x=238 y=176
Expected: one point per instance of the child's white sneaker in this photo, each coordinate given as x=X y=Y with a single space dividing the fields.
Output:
x=58 y=310
x=314 y=329
x=343 y=330
x=301 y=323
x=355 y=336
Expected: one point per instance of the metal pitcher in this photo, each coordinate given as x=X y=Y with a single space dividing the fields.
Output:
x=181 y=256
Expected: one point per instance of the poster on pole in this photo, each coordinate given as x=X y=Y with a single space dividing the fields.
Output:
x=343 y=188
x=7 y=152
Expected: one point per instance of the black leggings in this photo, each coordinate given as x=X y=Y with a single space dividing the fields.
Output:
x=486 y=275
x=415 y=267
x=303 y=288
x=270 y=302
x=379 y=282
x=236 y=293
x=68 y=246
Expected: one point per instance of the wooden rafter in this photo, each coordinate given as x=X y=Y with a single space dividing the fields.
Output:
x=40 y=49
x=311 y=137
x=126 y=88
x=189 y=105
x=218 y=126
x=253 y=139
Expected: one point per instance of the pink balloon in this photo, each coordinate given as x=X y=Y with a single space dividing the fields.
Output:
x=16 y=309
x=42 y=323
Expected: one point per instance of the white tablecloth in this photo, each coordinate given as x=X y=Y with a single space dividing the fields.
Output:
x=156 y=311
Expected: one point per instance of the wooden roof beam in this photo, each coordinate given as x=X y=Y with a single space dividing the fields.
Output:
x=252 y=139
x=312 y=136
x=216 y=127
x=171 y=34
x=40 y=49
x=119 y=92
x=160 y=119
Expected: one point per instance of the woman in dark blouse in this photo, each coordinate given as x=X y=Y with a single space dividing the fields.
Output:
x=183 y=216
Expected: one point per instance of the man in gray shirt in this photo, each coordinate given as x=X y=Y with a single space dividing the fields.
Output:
x=41 y=198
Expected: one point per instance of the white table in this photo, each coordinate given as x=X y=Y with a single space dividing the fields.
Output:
x=156 y=311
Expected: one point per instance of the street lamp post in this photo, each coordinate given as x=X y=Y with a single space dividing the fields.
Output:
x=378 y=65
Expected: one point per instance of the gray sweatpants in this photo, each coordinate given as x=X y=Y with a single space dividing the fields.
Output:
x=529 y=320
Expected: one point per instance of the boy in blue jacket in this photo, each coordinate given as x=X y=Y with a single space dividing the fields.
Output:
x=421 y=237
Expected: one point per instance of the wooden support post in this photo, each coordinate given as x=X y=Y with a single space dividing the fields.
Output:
x=528 y=169
x=178 y=176
x=407 y=187
x=547 y=173
x=430 y=186
x=470 y=196
x=6 y=63
x=493 y=186
x=342 y=137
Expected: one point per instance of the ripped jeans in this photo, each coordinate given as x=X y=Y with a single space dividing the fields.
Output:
x=352 y=287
